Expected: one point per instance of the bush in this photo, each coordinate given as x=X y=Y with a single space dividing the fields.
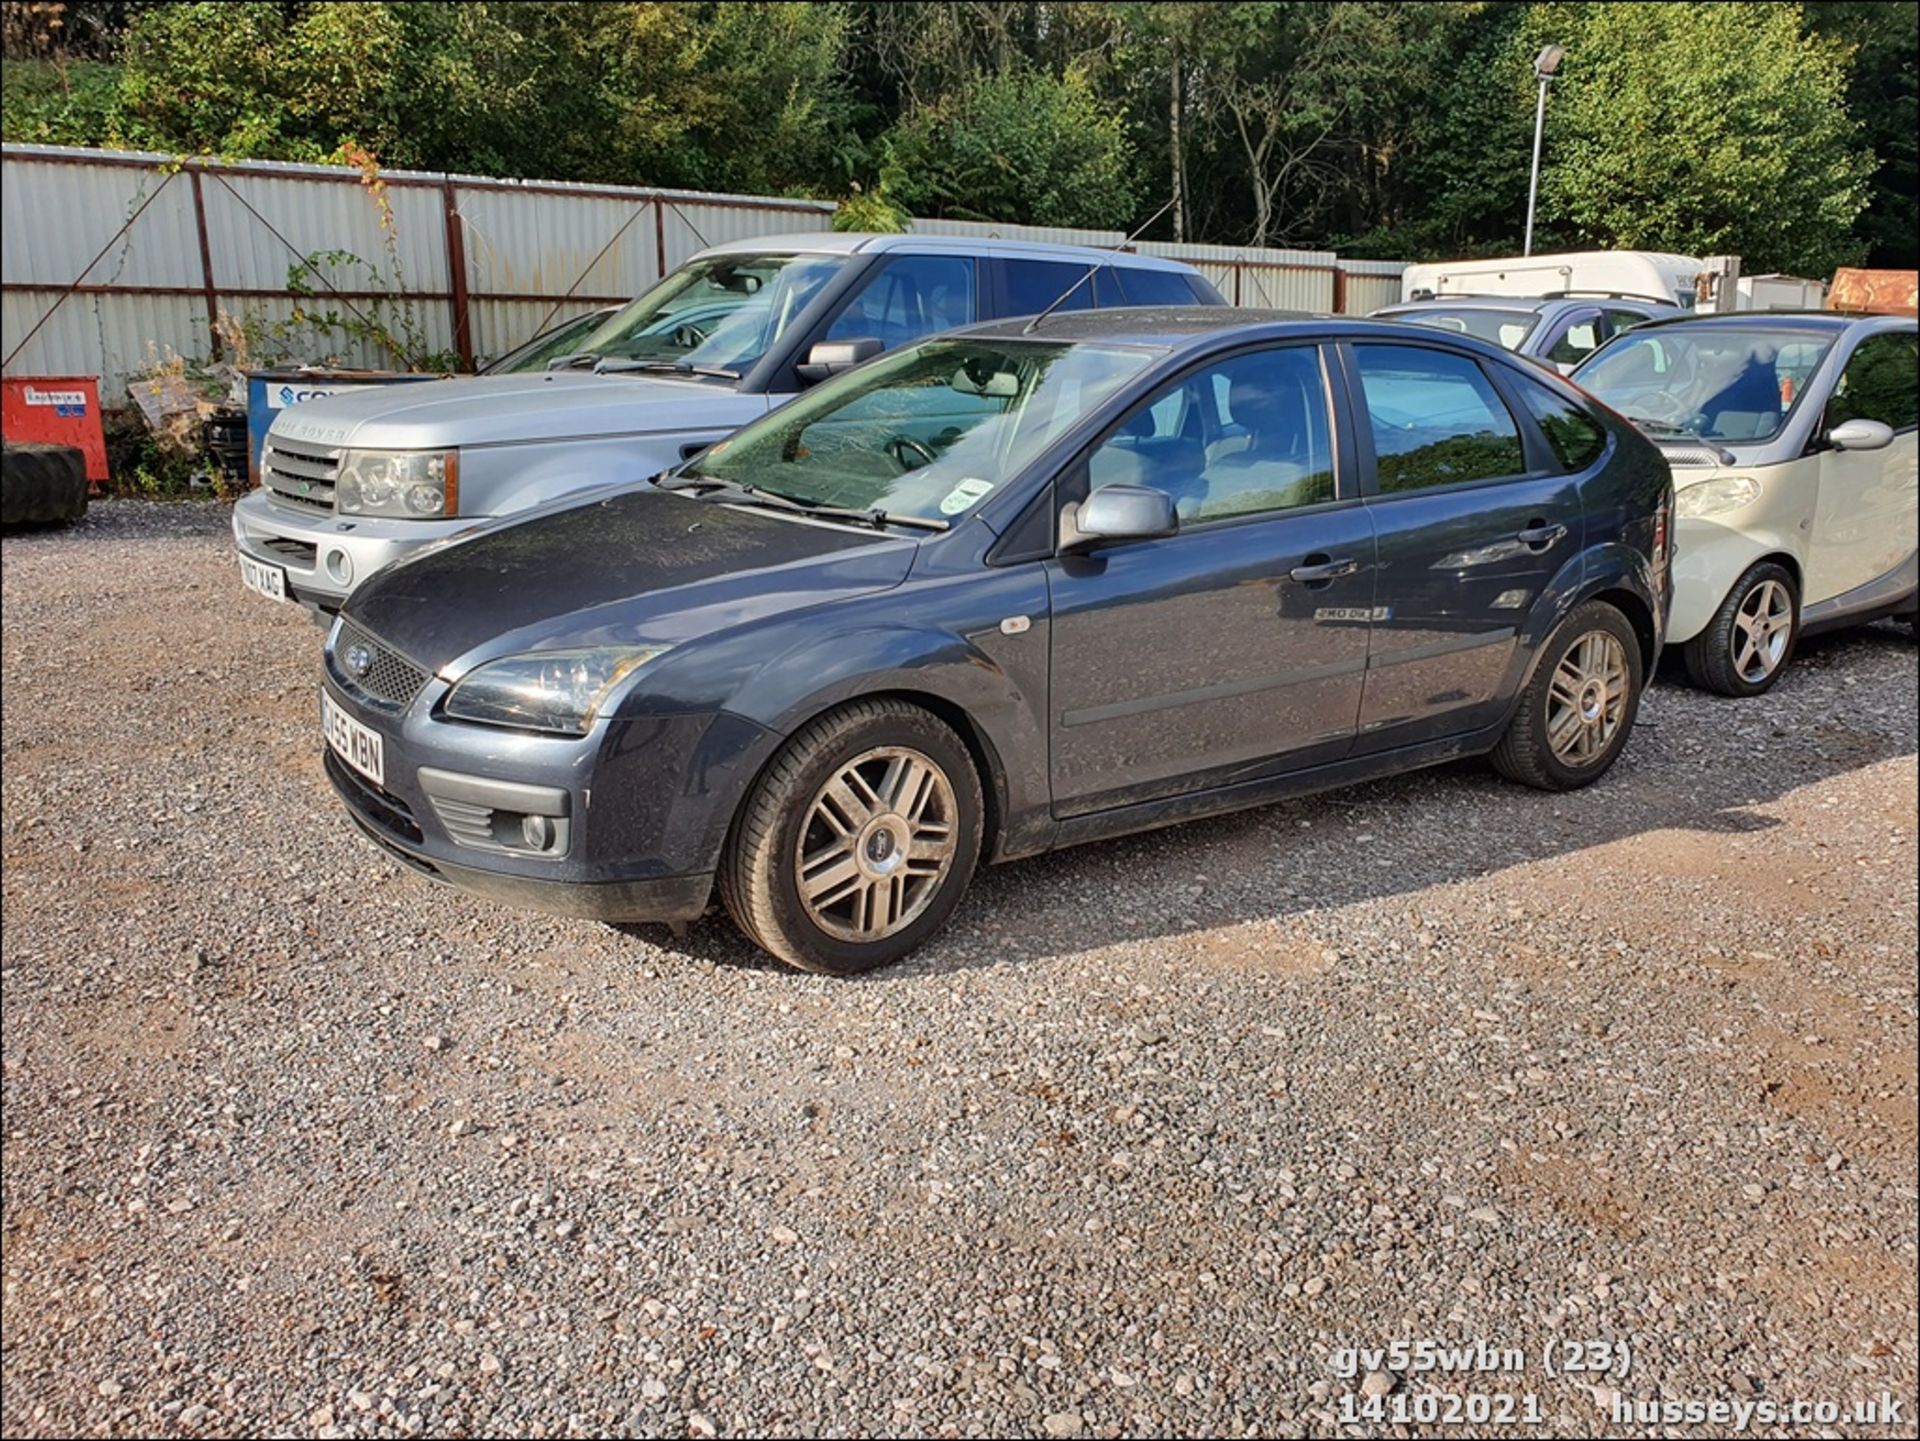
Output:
x=1025 y=148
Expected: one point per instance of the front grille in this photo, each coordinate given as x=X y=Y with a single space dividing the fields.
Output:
x=1692 y=455
x=294 y=552
x=300 y=473
x=391 y=681
x=383 y=808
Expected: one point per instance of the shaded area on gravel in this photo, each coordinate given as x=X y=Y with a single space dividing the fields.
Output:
x=296 y=1142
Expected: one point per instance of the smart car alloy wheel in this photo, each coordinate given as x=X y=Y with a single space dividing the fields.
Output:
x=1761 y=629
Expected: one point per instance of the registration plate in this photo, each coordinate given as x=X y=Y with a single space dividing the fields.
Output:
x=267 y=580
x=352 y=742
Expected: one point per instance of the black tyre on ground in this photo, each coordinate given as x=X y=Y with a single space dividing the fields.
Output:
x=1748 y=643
x=1576 y=713
x=857 y=841
x=42 y=484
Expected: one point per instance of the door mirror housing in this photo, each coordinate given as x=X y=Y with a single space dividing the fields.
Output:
x=1861 y=435
x=830 y=357
x=1120 y=513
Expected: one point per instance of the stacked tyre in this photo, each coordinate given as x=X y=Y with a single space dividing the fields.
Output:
x=42 y=485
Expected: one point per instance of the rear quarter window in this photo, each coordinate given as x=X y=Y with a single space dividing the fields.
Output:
x=1158 y=287
x=1575 y=437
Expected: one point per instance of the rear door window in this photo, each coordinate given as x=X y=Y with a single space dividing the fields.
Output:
x=1619 y=319
x=1435 y=419
x=1028 y=287
x=1579 y=337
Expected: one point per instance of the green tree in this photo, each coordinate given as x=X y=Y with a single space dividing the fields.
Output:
x=1025 y=147
x=1882 y=96
x=202 y=78
x=1707 y=129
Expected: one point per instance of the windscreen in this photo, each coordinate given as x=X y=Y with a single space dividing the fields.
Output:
x=930 y=431
x=1714 y=382
x=721 y=313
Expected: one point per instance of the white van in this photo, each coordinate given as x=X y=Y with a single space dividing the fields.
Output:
x=1647 y=274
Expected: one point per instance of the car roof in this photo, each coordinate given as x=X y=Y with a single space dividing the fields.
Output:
x=1818 y=322
x=853 y=242
x=1521 y=302
x=1189 y=327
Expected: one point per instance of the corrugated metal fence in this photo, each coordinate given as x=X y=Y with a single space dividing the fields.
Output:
x=147 y=252
x=112 y=258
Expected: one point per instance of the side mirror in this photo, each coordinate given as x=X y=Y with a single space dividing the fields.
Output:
x=1861 y=435
x=830 y=357
x=1118 y=513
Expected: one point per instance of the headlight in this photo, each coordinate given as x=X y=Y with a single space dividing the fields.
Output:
x=1715 y=497
x=405 y=484
x=549 y=690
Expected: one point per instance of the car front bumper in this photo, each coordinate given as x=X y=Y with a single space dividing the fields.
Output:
x=633 y=814
x=326 y=555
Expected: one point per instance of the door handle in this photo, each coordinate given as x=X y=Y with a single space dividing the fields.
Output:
x=1540 y=536
x=1320 y=569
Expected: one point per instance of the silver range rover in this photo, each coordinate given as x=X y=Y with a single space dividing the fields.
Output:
x=353 y=482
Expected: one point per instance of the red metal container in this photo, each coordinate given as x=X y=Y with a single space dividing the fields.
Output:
x=56 y=410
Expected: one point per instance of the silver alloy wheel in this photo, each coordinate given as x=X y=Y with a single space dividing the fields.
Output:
x=1761 y=629
x=877 y=844
x=1587 y=701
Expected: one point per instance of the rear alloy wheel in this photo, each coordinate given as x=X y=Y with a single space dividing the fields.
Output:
x=1746 y=646
x=858 y=841
x=1576 y=713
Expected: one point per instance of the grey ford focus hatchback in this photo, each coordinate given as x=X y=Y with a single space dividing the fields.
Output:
x=1012 y=588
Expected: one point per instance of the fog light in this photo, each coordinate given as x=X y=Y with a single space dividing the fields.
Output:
x=340 y=566
x=537 y=832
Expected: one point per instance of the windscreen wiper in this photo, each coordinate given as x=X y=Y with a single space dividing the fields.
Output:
x=574 y=361
x=616 y=366
x=740 y=493
x=1659 y=427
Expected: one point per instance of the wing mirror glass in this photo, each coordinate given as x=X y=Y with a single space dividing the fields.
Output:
x=830 y=357
x=1120 y=513
x=1861 y=435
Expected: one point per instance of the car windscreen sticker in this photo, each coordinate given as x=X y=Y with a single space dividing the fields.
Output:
x=963 y=495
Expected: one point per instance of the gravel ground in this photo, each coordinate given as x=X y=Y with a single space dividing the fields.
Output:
x=296 y=1143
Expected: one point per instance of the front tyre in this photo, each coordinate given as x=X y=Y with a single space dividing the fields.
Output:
x=857 y=841
x=1576 y=713
x=1750 y=639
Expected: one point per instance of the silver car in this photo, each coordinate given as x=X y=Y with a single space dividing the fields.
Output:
x=353 y=482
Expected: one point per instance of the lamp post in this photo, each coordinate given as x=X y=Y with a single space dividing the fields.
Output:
x=1545 y=64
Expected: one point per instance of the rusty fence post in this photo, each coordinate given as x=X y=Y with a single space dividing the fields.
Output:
x=457 y=277
x=206 y=263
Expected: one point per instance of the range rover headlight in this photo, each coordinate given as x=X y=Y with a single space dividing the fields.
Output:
x=399 y=484
x=549 y=690
x=1715 y=497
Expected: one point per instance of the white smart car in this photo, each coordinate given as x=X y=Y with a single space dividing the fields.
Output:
x=1792 y=441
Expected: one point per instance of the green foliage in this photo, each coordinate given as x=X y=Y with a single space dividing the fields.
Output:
x=1026 y=146
x=1708 y=129
x=1882 y=96
x=202 y=79
x=871 y=212
x=48 y=102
